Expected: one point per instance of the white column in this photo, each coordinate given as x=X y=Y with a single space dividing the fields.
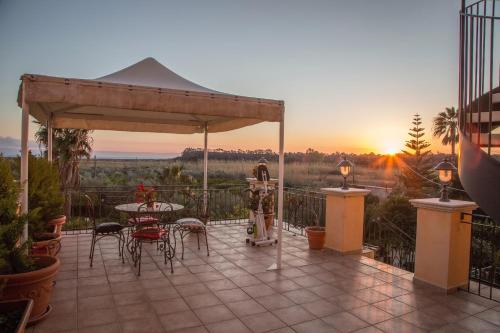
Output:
x=205 y=170
x=49 y=138
x=281 y=176
x=24 y=160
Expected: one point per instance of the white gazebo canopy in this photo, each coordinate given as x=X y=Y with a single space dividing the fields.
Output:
x=144 y=97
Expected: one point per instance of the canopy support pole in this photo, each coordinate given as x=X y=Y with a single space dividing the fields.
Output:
x=205 y=170
x=281 y=175
x=49 y=138
x=24 y=161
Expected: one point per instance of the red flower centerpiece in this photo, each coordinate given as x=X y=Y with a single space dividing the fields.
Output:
x=145 y=194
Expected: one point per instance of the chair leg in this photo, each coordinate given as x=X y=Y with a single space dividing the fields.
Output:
x=198 y=239
x=121 y=243
x=123 y=247
x=92 y=248
x=139 y=259
x=181 y=233
x=206 y=241
x=168 y=253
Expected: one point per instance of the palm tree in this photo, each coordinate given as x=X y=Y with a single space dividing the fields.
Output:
x=445 y=127
x=69 y=147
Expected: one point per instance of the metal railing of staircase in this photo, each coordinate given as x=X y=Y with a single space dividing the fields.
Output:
x=477 y=71
x=484 y=264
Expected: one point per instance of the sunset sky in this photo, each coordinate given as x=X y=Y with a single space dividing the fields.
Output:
x=351 y=73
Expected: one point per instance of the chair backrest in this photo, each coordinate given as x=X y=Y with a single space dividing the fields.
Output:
x=163 y=210
x=90 y=209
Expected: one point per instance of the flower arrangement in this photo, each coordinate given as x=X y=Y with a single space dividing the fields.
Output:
x=145 y=194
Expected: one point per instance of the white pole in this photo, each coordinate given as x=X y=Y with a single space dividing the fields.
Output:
x=24 y=160
x=205 y=171
x=49 y=138
x=281 y=176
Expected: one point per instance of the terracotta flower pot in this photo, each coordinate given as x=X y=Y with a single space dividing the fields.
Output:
x=48 y=244
x=316 y=237
x=58 y=223
x=36 y=285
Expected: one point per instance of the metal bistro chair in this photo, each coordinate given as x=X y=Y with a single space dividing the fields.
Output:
x=153 y=234
x=195 y=224
x=101 y=230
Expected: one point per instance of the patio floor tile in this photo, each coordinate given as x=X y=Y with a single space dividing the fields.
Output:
x=394 y=307
x=107 y=328
x=202 y=300
x=371 y=314
x=423 y=320
x=228 y=326
x=231 y=295
x=397 y=325
x=345 y=322
x=97 y=317
x=300 y=296
x=262 y=322
x=214 y=314
x=293 y=315
x=322 y=308
x=316 y=326
x=491 y=316
x=244 y=308
x=273 y=302
x=178 y=320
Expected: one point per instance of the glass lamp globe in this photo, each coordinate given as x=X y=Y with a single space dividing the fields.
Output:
x=445 y=176
x=445 y=173
x=345 y=168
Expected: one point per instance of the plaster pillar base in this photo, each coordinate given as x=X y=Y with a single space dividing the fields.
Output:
x=345 y=210
x=443 y=243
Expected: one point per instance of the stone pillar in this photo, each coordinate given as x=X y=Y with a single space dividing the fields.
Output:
x=443 y=243
x=345 y=213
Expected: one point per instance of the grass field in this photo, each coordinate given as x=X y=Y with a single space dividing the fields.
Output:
x=297 y=174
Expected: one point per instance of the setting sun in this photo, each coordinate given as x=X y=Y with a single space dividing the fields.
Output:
x=390 y=150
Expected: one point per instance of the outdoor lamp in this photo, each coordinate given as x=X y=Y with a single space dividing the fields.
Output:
x=345 y=168
x=445 y=172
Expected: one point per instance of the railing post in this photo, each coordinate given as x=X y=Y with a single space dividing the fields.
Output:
x=345 y=210
x=443 y=243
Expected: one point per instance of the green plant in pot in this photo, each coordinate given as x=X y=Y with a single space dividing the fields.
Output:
x=21 y=275
x=44 y=195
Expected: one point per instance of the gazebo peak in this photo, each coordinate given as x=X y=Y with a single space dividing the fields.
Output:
x=151 y=73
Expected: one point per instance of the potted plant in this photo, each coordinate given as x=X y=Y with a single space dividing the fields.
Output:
x=315 y=234
x=14 y=315
x=44 y=194
x=21 y=275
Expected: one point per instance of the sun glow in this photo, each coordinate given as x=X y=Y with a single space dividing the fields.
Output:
x=390 y=150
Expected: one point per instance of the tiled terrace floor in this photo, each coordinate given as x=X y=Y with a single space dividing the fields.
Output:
x=231 y=291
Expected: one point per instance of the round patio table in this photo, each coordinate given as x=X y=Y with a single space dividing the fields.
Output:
x=157 y=209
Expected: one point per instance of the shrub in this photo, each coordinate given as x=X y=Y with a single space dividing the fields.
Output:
x=13 y=256
x=44 y=193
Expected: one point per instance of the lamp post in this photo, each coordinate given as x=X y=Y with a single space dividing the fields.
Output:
x=445 y=172
x=345 y=168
